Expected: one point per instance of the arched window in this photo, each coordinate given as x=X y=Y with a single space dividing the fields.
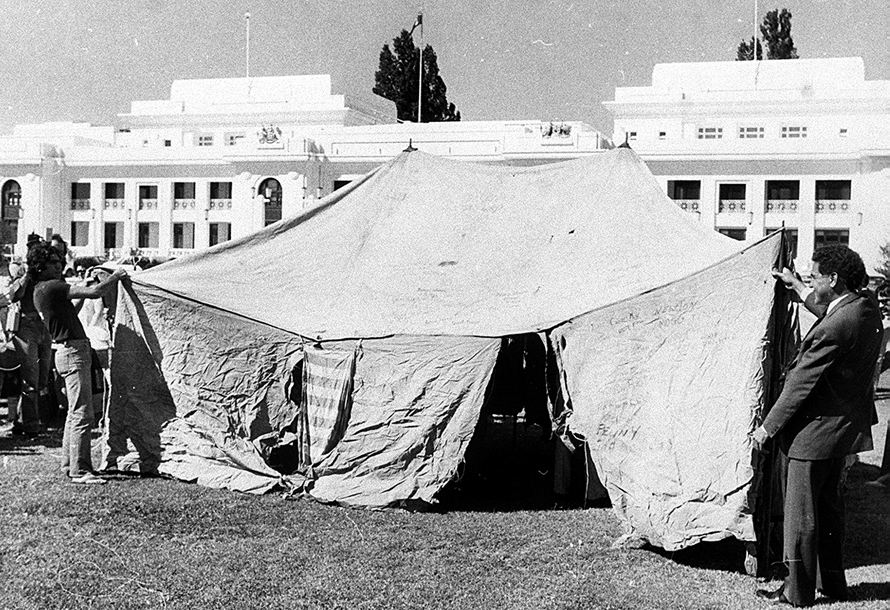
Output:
x=270 y=193
x=11 y=195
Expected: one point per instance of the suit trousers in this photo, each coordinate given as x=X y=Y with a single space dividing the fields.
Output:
x=814 y=530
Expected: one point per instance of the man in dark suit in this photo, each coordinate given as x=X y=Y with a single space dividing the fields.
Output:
x=823 y=412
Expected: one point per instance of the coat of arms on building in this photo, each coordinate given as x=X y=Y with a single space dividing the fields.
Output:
x=269 y=135
x=554 y=130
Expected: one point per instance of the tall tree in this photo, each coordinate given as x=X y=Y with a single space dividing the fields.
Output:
x=396 y=80
x=776 y=32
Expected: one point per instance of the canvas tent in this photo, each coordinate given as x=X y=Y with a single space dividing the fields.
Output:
x=363 y=334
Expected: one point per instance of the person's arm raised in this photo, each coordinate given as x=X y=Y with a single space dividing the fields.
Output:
x=96 y=290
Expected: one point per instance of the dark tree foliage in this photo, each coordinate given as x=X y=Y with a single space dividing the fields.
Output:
x=743 y=53
x=776 y=32
x=396 y=80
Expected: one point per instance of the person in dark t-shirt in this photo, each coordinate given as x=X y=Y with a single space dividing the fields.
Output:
x=52 y=298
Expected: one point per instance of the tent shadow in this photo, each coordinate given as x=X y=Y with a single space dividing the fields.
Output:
x=726 y=555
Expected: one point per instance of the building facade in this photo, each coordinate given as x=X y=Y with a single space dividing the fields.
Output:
x=224 y=157
x=749 y=147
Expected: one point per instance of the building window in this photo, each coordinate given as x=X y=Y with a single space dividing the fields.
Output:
x=168 y=143
x=183 y=235
x=233 y=139
x=220 y=190
x=80 y=195
x=114 y=237
x=220 y=232
x=710 y=133
x=205 y=139
x=271 y=194
x=183 y=195
x=782 y=196
x=790 y=237
x=662 y=135
x=631 y=135
x=685 y=193
x=738 y=234
x=148 y=197
x=843 y=132
x=80 y=233
x=832 y=237
x=148 y=235
x=794 y=132
x=833 y=196
x=732 y=198
x=114 y=195
x=338 y=184
x=750 y=133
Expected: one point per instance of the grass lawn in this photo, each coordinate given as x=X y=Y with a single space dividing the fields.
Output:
x=495 y=542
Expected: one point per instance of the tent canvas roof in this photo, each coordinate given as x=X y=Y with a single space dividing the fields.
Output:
x=431 y=246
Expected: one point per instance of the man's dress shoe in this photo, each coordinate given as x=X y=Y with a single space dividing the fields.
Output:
x=775 y=597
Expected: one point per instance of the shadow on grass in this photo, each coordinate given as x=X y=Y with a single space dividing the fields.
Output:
x=22 y=445
x=726 y=555
x=866 y=591
x=868 y=525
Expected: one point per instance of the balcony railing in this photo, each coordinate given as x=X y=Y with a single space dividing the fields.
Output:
x=183 y=204
x=114 y=204
x=80 y=204
x=832 y=206
x=181 y=251
x=148 y=204
x=220 y=204
x=731 y=206
x=688 y=205
x=780 y=206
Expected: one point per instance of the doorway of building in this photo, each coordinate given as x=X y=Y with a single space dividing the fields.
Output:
x=10 y=214
x=270 y=192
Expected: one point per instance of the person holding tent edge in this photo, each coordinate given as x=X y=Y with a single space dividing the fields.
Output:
x=825 y=408
x=52 y=298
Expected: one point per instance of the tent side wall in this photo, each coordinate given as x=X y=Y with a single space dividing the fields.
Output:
x=203 y=395
x=666 y=387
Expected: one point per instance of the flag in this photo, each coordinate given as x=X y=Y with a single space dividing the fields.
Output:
x=327 y=397
x=418 y=23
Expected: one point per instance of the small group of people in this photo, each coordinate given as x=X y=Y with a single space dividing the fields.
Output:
x=823 y=415
x=44 y=327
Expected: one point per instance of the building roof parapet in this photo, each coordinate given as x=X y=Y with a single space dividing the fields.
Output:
x=801 y=82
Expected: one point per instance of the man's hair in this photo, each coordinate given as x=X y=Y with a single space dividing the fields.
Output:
x=63 y=245
x=39 y=257
x=844 y=262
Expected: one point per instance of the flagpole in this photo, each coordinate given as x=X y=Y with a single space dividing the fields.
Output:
x=247 y=45
x=420 y=71
x=754 y=43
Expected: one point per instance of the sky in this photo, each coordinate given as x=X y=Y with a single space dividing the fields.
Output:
x=552 y=60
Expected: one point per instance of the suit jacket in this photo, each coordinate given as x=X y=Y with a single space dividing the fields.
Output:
x=828 y=397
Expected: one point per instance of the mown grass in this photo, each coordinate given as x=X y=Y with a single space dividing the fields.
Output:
x=496 y=543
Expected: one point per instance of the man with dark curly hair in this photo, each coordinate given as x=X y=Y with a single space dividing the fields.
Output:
x=824 y=410
x=52 y=298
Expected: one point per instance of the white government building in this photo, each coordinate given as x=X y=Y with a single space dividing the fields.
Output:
x=745 y=146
